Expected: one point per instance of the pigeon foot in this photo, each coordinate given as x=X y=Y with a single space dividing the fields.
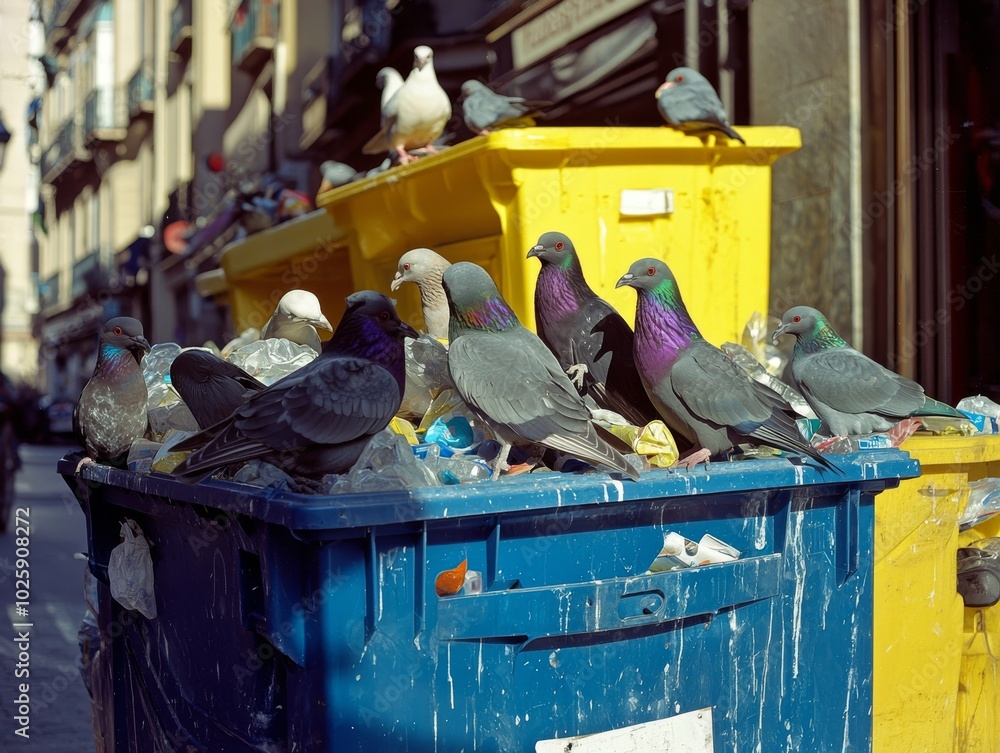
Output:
x=500 y=461
x=576 y=373
x=691 y=458
x=85 y=461
x=405 y=157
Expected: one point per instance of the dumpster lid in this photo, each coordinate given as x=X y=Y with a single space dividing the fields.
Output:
x=592 y=145
x=872 y=471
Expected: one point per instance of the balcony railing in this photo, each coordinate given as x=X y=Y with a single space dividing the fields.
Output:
x=61 y=153
x=104 y=116
x=254 y=30
x=140 y=92
x=180 y=28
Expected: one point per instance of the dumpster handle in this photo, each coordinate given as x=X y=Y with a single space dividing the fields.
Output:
x=521 y=614
x=848 y=536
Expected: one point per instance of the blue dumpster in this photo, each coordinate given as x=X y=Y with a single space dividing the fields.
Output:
x=296 y=623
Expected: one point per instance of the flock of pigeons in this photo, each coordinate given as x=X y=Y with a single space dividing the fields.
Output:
x=531 y=390
x=536 y=390
x=416 y=110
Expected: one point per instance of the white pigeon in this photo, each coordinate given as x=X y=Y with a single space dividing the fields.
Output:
x=416 y=114
x=296 y=318
x=388 y=80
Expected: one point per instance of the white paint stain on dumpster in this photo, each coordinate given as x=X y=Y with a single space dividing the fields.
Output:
x=799 y=565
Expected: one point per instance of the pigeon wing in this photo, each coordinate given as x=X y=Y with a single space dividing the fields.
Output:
x=850 y=382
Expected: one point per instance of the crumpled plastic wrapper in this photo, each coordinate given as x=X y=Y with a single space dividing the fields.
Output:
x=979 y=404
x=247 y=336
x=757 y=340
x=269 y=360
x=156 y=373
x=141 y=454
x=749 y=363
x=259 y=473
x=130 y=571
x=387 y=464
x=653 y=441
x=446 y=406
x=945 y=425
x=166 y=459
x=426 y=374
x=984 y=502
x=172 y=416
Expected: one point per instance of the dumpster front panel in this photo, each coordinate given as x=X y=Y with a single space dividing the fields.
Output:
x=332 y=636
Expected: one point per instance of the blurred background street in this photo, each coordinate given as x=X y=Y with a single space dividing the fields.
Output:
x=60 y=719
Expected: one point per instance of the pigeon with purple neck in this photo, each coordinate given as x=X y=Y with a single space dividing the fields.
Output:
x=511 y=380
x=699 y=391
x=585 y=333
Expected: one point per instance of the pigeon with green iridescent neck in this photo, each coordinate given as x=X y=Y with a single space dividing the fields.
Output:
x=851 y=393
x=511 y=380
x=699 y=391
x=318 y=419
x=112 y=408
x=585 y=333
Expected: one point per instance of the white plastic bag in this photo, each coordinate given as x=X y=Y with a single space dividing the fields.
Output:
x=130 y=571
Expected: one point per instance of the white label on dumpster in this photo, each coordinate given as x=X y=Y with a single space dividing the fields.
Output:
x=684 y=733
x=648 y=202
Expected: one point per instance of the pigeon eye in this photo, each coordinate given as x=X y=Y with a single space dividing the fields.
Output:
x=406 y=267
x=559 y=245
x=383 y=316
x=679 y=79
x=651 y=271
x=796 y=319
x=117 y=330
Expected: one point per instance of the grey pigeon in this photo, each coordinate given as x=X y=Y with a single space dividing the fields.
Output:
x=210 y=387
x=112 y=408
x=297 y=317
x=416 y=114
x=851 y=393
x=318 y=419
x=425 y=267
x=583 y=330
x=511 y=380
x=688 y=102
x=699 y=391
x=484 y=110
x=336 y=174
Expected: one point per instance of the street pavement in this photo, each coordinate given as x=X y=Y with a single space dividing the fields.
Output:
x=60 y=718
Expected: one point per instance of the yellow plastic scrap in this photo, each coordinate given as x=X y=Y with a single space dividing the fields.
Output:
x=653 y=440
x=404 y=427
x=448 y=402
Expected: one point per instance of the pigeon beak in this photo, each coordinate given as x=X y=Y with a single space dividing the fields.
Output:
x=322 y=323
x=625 y=279
x=142 y=342
x=778 y=333
x=535 y=251
x=407 y=331
x=397 y=280
x=663 y=87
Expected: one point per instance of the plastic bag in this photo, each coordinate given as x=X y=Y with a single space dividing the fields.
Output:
x=130 y=571
x=757 y=341
x=749 y=363
x=269 y=360
x=426 y=374
x=984 y=502
x=156 y=373
x=654 y=441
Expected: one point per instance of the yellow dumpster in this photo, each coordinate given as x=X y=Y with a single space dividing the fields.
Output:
x=308 y=252
x=620 y=193
x=934 y=676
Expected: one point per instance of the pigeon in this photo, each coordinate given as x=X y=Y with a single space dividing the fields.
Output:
x=318 y=419
x=581 y=329
x=851 y=393
x=210 y=387
x=484 y=110
x=688 y=102
x=388 y=80
x=296 y=318
x=112 y=408
x=416 y=114
x=425 y=267
x=699 y=391
x=337 y=174
x=511 y=380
